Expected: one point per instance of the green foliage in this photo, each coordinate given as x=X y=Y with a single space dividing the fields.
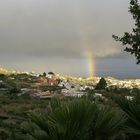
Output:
x=64 y=121
x=135 y=91
x=132 y=40
x=78 y=119
x=132 y=111
x=119 y=91
x=107 y=124
x=69 y=119
x=44 y=74
x=13 y=111
x=3 y=76
x=4 y=134
x=51 y=73
x=101 y=85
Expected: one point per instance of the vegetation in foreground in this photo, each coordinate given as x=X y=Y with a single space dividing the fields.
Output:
x=70 y=119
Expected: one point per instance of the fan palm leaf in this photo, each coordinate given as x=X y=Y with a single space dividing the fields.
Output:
x=132 y=111
x=78 y=119
x=107 y=124
x=68 y=121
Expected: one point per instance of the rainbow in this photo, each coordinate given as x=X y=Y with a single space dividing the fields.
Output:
x=85 y=41
x=91 y=64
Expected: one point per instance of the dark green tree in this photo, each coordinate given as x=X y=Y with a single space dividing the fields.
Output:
x=132 y=40
x=44 y=74
x=101 y=85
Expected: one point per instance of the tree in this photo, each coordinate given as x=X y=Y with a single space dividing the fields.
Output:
x=51 y=73
x=132 y=40
x=44 y=74
x=101 y=85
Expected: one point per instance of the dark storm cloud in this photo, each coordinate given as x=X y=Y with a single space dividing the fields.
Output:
x=34 y=32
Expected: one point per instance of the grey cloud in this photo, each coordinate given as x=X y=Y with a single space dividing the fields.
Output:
x=40 y=30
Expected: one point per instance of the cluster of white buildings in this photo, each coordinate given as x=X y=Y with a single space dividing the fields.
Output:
x=73 y=86
x=130 y=83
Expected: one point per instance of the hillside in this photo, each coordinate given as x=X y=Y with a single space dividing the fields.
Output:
x=5 y=71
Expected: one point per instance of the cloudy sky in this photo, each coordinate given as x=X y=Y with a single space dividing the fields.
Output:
x=58 y=35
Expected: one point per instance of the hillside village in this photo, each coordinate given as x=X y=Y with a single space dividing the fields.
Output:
x=50 y=84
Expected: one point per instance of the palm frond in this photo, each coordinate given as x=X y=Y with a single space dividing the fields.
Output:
x=132 y=111
x=106 y=124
